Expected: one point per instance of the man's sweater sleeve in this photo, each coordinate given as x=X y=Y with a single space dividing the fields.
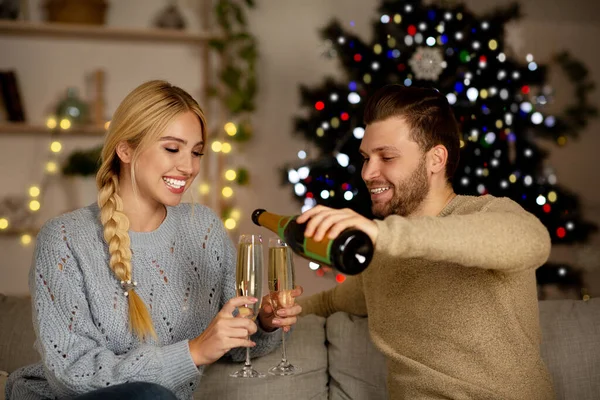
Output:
x=73 y=348
x=348 y=297
x=500 y=236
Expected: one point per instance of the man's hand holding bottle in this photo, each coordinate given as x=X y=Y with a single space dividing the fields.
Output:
x=327 y=222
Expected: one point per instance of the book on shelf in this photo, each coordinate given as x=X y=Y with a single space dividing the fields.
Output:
x=11 y=97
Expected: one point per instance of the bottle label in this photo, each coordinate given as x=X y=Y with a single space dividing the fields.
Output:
x=318 y=251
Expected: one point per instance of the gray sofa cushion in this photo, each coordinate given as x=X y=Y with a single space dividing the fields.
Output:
x=16 y=333
x=356 y=367
x=571 y=346
x=305 y=348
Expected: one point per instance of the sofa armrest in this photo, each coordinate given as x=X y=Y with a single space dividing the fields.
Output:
x=571 y=346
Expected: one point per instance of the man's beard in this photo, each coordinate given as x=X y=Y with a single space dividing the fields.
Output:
x=408 y=195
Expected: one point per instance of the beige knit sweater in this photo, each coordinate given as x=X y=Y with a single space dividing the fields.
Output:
x=452 y=302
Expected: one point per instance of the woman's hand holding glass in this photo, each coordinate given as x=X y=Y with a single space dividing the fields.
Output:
x=225 y=332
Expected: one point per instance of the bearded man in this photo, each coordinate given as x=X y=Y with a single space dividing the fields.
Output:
x=451 y=292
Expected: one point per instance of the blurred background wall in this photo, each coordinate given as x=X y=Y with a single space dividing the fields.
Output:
x=290 y=54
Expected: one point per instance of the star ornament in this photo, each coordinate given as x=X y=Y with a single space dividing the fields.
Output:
x=427 y=63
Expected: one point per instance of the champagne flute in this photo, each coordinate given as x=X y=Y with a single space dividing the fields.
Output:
x=248 y=279
x=281 y=283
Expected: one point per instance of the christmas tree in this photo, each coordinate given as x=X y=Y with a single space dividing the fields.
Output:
x=501 y=105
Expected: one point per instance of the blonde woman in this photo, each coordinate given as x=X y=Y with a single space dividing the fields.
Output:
x=132 y=296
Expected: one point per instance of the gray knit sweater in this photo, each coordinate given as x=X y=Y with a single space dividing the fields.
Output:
x=185 y=271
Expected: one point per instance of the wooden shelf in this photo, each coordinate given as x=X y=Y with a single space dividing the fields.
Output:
x=101 y=32
x=27 y=129
x=19 y=232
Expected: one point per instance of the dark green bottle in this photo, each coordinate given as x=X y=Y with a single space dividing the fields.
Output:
x=350 y=252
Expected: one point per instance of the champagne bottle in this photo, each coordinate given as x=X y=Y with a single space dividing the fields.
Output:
x=350 y=252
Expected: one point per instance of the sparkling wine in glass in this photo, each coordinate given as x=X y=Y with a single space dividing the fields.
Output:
x=248 y=280
x=281 y=283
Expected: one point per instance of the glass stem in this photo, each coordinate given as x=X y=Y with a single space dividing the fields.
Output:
x=248 y=363
x=283 y=355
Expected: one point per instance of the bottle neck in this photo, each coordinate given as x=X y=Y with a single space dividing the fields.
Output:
x=273 y=222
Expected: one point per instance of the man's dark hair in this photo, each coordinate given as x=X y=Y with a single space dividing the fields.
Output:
x=427 y=113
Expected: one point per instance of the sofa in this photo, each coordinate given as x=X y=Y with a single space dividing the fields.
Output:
x=338 y=360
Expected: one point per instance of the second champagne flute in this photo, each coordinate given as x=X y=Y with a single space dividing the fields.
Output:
x=281 y=283
x=248 y=280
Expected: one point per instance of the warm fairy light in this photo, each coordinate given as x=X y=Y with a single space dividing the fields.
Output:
x=227 y=191
x=561 y=141
x=230 y=175
x=51 y=123
x=320 y=132
x=226 y=148
x=493 y=45
x=204 y=188
x=34 y=191
x=462 y=143
x=552 y=197
x=512 y=178
x=51 y=167
x=230 y=223
x=55 y=147
x=377 y=49
x=34 y=205
x=107 y=125
x=25 y=239
x=216 y=146
x=3 y=223
x=65 y=124
x=230 y=128
x=235 y=214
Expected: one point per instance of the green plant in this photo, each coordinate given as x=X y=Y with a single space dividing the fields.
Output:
x=82 y=162
x=237 y=74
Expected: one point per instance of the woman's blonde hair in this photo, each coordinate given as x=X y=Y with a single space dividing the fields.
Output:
x=140 y=120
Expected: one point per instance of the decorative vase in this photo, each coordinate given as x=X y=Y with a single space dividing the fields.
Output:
x=170 y=17
x=72 y=108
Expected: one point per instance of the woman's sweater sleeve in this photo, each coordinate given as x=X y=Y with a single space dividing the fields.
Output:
x=72 y=347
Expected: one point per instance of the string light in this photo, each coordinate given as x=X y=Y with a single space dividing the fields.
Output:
x=204 y=188
x=230 y=129
x=226 y=148
x=51 y=167
x=34 y=205
x=227 y=192
x=216 y=146
x=55 y=147
x=65 y=124
x=51 y=123
x=230 y=223
x=25 y=239
x=230 y=175
x=34 y=191
x=3 y=223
